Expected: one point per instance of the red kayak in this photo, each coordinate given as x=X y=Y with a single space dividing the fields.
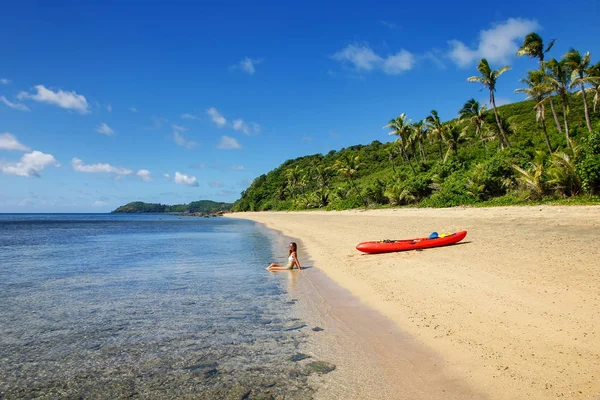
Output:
x=386 y=246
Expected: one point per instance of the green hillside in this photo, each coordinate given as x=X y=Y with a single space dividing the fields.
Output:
x=456 y=165
x=201 y=206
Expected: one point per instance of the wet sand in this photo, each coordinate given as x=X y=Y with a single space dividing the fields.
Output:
x=512 y=312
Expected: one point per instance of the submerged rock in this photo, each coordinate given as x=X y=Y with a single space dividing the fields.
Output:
x=207 y=369
x=293 y=327
x=299 y=357
x=238 y=392
x=318 y=329
x=319 y=367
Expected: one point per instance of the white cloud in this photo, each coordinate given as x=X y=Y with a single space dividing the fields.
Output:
x=133 y=109
x=497 y=44
x=216 y=117
x=237 y=168
x=361 y=56
x=306 y=139
x=108 y=108
x=67 y=100
x=167 y=176
x=10 y=142
x=179 y=128
x=105 y=129
x=248 y=65
x=183 y=179
x=228 y=143
x=104 y=168
x=5 y=81
x=180 y=140
x=240 y=125
x=16 y=106
x=398 y=63
x=189 y=116
x=144 y=175
x=246 y=128
x=364 y=59
x=100 y=203
x=31 y=164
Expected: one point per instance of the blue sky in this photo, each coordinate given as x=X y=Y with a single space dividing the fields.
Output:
x=102 y=103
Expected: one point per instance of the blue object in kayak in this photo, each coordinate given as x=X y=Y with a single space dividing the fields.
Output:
x=434 y=235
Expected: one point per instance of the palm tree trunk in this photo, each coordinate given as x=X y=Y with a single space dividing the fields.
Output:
x=503 y=137
x=478 y=134
x=564 y=107
x=555 y=116
x=358 y=193
x=585 y=108
x=546 y=135
x=408 y=159
x=422 y=150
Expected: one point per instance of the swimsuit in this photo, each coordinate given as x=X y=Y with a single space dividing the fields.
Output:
x=290 y=261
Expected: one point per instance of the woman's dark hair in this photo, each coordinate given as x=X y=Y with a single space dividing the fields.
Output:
x=294 y=247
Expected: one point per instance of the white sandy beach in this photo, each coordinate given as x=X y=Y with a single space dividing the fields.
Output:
x=513 y=311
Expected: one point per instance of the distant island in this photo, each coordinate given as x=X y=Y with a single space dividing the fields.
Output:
x=195 y=207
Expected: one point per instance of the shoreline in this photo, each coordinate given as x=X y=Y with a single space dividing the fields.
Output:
x=513 y=310
x=373 y=358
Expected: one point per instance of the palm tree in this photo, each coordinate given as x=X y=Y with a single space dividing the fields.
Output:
x=453 y=133
x=577 y=65
x=391 y=152
x=322 y=173
x=347 y=166
x=533 y=46
x=537 y=90
x=559 y=80
x=594 y=73
x=488 y=79
x=472 y=113
x=435 y=126
x=400 y=127
x=293 y=176
x=533 y=179
x=419 y=134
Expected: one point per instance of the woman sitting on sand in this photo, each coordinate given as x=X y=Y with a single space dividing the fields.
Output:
x=292 y=260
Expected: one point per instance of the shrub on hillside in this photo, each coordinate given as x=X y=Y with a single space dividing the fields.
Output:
x=588 y=163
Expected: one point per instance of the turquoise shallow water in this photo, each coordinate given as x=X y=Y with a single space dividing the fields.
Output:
x=148 y=306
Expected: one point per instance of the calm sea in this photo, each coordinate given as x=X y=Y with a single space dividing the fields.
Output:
x=146 y=306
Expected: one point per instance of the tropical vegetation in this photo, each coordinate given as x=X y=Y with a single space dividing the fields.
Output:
x=201 y=206
x=510 y=154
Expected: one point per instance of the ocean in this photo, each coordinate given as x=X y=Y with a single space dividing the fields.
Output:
x=146 y=306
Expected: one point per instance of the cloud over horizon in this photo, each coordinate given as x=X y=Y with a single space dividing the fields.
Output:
x=16 y=106
x=182 y=141
x=104 y=129
x=62 y=99
x=248 y=65
x=363 y=58
x=31 y=164
x=103 y=168
x=183 y=179
x=228 y=143
x=8 y=141
x=216 y=117
x=497 y=44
